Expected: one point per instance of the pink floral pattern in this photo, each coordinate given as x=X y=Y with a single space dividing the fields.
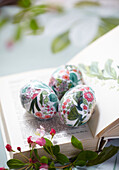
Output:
x=76 y=105
x=39 y=99
x=65 y=78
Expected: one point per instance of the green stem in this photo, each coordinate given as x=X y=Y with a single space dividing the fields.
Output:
x=52 y=151
x=65 y=166
x=26 y=158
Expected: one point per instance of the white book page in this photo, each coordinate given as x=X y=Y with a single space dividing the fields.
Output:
x=20 y=124
x=106 y=91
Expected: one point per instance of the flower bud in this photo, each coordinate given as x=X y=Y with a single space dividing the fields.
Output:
x=9 y=148
x=19 y=149
x=52 y=132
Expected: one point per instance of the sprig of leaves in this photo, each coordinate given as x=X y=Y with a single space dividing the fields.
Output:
x=84 y=158
x=107 y=73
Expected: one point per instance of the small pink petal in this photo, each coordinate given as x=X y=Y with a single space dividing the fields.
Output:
x=41 y=141
x=43 y=166
x=9 y=44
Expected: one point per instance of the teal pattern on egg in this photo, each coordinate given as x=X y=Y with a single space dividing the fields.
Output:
x=39 y=99
x=64 y=78
x=77 y=105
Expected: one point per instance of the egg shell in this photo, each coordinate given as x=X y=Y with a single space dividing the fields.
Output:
x=39 y=99
x=77 y=105
x=64 y=78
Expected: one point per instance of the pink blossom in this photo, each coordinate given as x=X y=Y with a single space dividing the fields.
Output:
x=34 y=95
x=29 y=140
x=66 y=77
x=89 y=96
x=40 y=132
x=2 y=168
x=43 y=166
x=9 y=148
x=85 y=107
x=52 y=132
x=41 y=141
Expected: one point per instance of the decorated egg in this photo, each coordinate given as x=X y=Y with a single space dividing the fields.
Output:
x=39 y=99
x=77 y=105
x=64 y=78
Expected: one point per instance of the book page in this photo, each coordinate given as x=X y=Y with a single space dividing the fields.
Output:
x=20 y=124
x=101 y=71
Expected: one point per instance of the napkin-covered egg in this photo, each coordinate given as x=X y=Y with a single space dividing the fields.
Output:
x=39 y=99
x=77 y=105
x=64 y=78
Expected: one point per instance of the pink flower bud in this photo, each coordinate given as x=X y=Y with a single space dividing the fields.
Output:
x=43 y=166
x=19 y=149
x=9 y=148
x=2 y=168
x=41 y=141
x=29 y=140
x=52 y=132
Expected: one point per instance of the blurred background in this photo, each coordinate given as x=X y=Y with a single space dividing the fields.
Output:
x=36 y=34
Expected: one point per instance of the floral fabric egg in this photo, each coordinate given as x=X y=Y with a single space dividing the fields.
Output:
x=64 y=78
x=39 y=99
x=77 y=105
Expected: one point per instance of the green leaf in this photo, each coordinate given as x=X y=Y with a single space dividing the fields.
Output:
x=18 y=33
x=52 y=166
x=94 y=68
x=53 y=98
x=48 y=142
x=73 y=77
x=87 y=155
x=79 y=163
x=38 y=9
x=90 y=105
x=44 y=92
x=34 y=25
x=85 y=101
x=118 y=80
x=82 y=67
x=36 y=154
x=44 y=159
x=48 y=146
x=41 y=99
x=55 y=149
x=60 y=42
x=3 y=22
x=56 y=106
x=107 y=153
x=59 y=80
x=36 y=104
x=73 y=114
x=24 y=3
x=46 y=100
x=113 y=73
x=37 y=165
x=109 y=72
x=61 y=158
x=106 y=25
x=76 y=143
x=32 y=106
x=15 y=163
x=87 y=3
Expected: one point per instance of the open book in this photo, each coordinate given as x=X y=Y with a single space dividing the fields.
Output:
x=17 y=125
